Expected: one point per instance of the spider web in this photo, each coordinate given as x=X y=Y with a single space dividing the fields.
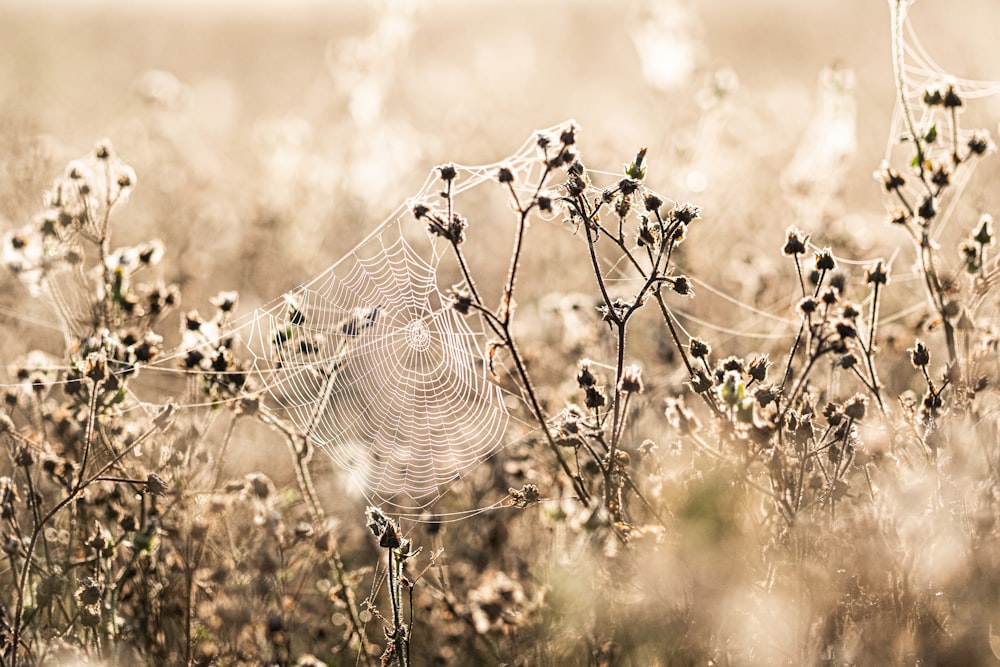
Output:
x=369 y=361
x=919 y=72
x=372 y=364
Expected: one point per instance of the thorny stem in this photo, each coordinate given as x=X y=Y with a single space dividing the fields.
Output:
x=936 y=292
x=501 y=326
x=668 y=319
x=869 y=350
x=898 y=8
x=400 y=637
x=507 y=300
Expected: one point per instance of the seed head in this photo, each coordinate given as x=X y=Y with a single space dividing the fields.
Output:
x=845 y=330
x=795 y=243
x=847 y=360
x=979 y=143
x=890 y=179
x=595 y=398
x=505 y=175
x=631 y=381
x=928 y=208
x=447 y=172
x=628 y=186
x=700 y=382
x=808 y=305
x=825 y=261
x=699 y=349
x=941 y=177
x=622 y=206
x=652 y=202
x=461 y=300
x=855 y=407
x=757 y=369
x=934 y=95
x=919 y=355
x=681 y=285
x=585 y=378
x=984 y=235
x=685 y=213
x=225 y=301
x=952 y=100
x=877 y=275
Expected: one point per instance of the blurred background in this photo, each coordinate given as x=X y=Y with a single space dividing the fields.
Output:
x=269 y=137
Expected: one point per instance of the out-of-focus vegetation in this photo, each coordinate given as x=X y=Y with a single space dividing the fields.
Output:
x=753 y=390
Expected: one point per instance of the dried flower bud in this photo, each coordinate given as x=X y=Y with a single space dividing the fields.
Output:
x=757 y=369
x=808 y=305
x=700 y=382
x=585 y=378
x=890 y=179
x=928 y=208
x=825 y=261
x=847 y=361
x=795 y=244
x=631 y=381
x=652 y=202
x=225 y=301
x=919 y=355
x=952 y=100
x=845 y=330
x=984 y=235
x=941 y=177
x=461 y=300
x=622 y=206
x=699 y=348
x=979 y=143
x=447 y=172
x=505 y=175
x=685 y=213
x=595 y=398
x=877 y=275
x=681 y=285
x=855 y=407
x=628 y=186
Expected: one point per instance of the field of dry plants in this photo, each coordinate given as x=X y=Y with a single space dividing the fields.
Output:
x=569 y=333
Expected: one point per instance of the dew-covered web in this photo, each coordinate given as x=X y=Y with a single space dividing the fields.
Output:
x=372 y=364
x=369 y=361
x=919 y=75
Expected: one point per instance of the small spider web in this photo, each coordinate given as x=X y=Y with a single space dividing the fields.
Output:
x=918 y=71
